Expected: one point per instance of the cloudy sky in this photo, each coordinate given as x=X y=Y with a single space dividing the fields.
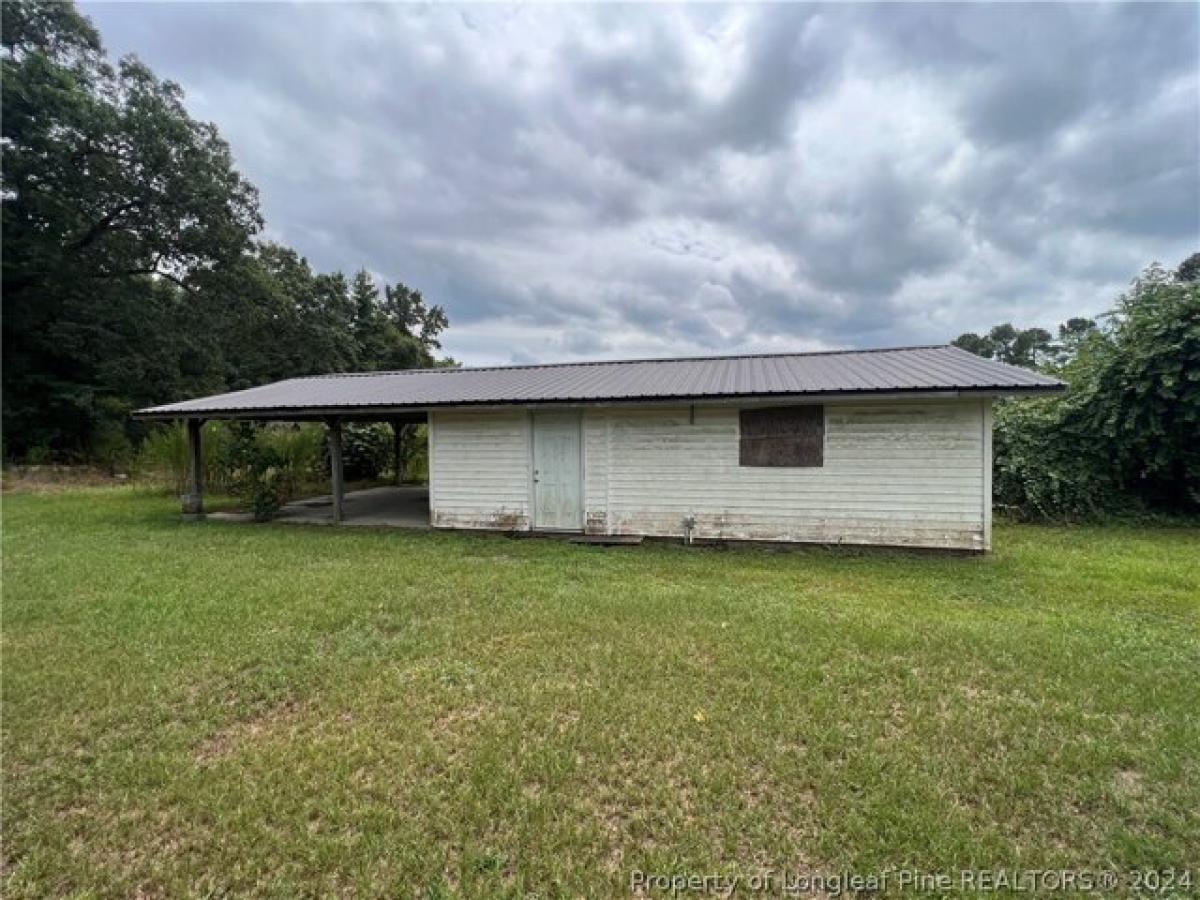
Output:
x=575 y=182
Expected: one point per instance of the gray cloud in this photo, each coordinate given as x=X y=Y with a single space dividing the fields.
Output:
x=611 y=181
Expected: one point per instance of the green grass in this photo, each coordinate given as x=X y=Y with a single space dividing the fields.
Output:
x=199 y=708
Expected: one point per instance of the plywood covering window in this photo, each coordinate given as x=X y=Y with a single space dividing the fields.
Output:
x=784 y=436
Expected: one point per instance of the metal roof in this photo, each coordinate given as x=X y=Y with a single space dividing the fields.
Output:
x=845 y=372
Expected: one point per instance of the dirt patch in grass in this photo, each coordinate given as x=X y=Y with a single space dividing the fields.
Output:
x=1128 y=783
x=455 y=722
x=231 y=739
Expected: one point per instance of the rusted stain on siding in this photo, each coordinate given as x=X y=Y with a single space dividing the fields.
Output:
x=949 y=535
x=497 y=521
x=481 y=480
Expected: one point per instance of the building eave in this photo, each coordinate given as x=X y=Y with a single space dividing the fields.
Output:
x=384 y=412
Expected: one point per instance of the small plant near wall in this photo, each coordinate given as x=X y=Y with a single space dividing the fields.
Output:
x=267 y=465
x=266 y=493
x=256 y=470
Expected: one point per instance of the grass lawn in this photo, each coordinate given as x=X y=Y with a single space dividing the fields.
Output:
x=199 y=708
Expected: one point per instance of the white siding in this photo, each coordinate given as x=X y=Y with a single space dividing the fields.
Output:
x=897 y=473
x=479 y=469
x=985 y=498
x=910 y=474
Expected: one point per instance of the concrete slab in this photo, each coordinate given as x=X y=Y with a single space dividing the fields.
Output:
x=406 y=506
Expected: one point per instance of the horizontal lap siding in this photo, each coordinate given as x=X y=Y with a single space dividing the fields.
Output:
x=902 y=474
x=479 y=470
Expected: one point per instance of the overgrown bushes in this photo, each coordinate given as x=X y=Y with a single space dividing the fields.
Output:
x=266 y=466
x=163 y=457
x=366 y=451
x=1041 y=471
x=1126 y=438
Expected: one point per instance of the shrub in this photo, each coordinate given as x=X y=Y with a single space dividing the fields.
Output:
x=414 y=454
x=255 y=469
x=1041 y=472
x=366 y=451
x=263 y=488
x=1124 y=438
x=111 y=448
x=1136 y=390
x=39 y=455
x=267 y=465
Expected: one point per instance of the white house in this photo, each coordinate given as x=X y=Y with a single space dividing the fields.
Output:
x=889 y=447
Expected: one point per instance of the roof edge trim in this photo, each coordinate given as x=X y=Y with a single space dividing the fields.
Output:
x=165 y=413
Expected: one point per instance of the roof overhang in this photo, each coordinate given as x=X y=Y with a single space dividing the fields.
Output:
x=415 y=414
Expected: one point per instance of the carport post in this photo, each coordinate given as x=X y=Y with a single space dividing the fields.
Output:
x=335 y=467
x=397 y=432
x=193 y=500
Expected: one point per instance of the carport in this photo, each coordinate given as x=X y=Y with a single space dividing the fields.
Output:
x=400 y=506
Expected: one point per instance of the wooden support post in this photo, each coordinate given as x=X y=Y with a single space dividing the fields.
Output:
x=397 y=440
x=193 y=500
x=335 y=467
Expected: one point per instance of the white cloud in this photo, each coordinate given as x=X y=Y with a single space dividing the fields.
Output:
x=578 y=181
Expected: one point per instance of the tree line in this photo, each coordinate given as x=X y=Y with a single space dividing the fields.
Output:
x=132 y=271
x=1126 y=437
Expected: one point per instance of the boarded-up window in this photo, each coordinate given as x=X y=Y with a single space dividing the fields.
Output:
x=783 y=436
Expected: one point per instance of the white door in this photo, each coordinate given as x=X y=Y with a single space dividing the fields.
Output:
x=557 y=472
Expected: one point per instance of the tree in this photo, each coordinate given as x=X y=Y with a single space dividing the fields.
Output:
x=110 y=192
x=1125 y=433
x=1072 y=334
x=974 y=343
x=1028 y=347
x=1189 y=269
x=1138 y=390
x=409 y=311
x=105 y=173
x=130 y=273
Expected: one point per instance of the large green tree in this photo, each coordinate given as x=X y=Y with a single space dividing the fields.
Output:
x=111 y=193
x=130 y=273
x=1136 y=389
x=1126 y=434
x=274 y=317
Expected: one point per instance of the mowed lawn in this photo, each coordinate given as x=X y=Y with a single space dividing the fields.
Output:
x=284 y=711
